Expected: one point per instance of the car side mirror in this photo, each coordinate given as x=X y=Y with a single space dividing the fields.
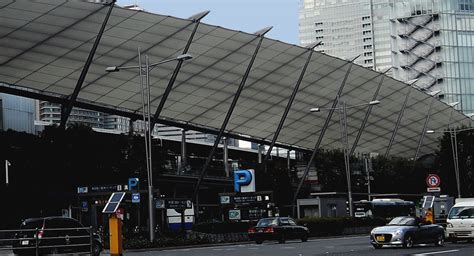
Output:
x=305 y=224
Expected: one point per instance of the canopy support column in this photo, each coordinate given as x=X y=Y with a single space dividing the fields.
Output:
x=260 y=35
x=399 y=119
x=288 y=106
x=424 y=128
x=323 y=131
x=66 y=109
x=367 y=114
x=226 y=157
x=196 y=19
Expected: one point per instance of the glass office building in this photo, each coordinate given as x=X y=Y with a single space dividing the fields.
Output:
x=348 y=28
x=433 y=41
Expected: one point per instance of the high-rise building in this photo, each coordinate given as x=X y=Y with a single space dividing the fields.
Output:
x=17 y=113
x=433 y=41
x=347 y=28
x=428 y=40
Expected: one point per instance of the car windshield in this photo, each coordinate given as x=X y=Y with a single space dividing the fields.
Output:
x=402 y=221
x=267 y=222
x=461 y=213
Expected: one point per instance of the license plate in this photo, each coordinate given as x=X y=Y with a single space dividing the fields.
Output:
x=260 y=231
x=380 y=238
x=25 y=242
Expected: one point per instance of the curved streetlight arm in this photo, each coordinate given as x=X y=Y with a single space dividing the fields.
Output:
x=373 y=102
x=181 y=57
x=449 y=131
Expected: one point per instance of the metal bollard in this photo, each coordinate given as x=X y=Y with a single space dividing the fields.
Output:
x=36 y=242
x=91 y=240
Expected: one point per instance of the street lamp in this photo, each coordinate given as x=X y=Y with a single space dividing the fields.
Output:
x=144 y=74
x=454 y=148
x=342 y=109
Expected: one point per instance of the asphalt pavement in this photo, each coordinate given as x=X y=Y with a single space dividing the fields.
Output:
x=355 y=245
x=328 y=246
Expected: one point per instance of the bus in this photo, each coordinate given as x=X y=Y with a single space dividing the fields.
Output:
x=387 y=208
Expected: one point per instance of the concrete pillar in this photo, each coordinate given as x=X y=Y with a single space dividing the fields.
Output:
x=288 y=163
x=260 y=153
x=130 y=127
x=183 y=149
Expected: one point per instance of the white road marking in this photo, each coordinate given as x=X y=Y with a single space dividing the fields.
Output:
x=438 y=252
x=288 y=247
x=253 y=248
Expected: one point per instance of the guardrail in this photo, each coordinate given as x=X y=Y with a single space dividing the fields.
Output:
x=32 y=241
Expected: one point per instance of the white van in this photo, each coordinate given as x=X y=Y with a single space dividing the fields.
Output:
x=460 y=222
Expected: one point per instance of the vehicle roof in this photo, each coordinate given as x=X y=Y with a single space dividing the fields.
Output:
x=272 y=218
x=464 y=204
x=48 y=218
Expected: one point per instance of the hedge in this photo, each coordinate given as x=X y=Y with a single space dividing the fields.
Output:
x=317 y=226
x=222 y=227
x=336 y=225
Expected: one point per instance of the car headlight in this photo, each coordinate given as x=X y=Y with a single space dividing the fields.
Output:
x=398 y=232
x=449 y=225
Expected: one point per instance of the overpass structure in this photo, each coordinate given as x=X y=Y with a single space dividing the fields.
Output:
x=238 y=84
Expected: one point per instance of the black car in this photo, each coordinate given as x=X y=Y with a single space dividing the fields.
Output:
x=55 y=235
x=407 y=231
x=278 y=228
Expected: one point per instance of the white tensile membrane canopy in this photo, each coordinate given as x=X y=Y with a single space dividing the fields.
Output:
x=44 y=45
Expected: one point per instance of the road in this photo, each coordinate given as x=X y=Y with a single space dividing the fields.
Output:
x=332 y=246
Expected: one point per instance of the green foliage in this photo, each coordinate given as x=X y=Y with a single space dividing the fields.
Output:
x=165 y=241
x=445 y=163
x=389 y=174
x=335 y=226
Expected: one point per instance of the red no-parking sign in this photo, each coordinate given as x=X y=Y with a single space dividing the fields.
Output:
x=433 y=181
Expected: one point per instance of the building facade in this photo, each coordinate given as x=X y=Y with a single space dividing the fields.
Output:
x=433 y=41
x=17 y=113
x=51 y=113
x=348 y=28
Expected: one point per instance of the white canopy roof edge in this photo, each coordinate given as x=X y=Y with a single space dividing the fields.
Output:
x=43 y=47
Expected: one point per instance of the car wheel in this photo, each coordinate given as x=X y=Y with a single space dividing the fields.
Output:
x=281 y=240
x=96 y=249
x=440 y=240
x=259 y=241
x=304 y=238
x=377 y=246
x=408 y=241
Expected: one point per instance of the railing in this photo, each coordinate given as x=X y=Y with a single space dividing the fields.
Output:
x=416 y=26
x=29 y=241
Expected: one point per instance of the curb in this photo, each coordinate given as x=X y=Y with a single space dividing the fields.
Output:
x=223 y=244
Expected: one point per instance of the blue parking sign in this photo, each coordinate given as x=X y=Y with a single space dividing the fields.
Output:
x=135 y=197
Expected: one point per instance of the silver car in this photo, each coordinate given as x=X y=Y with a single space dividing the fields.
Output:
x=407 y=231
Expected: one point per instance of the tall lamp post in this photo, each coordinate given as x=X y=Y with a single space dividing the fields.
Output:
x=342 y=109
x=144 y=74
x=454 y=148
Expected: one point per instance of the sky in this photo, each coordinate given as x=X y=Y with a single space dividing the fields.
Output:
x=244 y=15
